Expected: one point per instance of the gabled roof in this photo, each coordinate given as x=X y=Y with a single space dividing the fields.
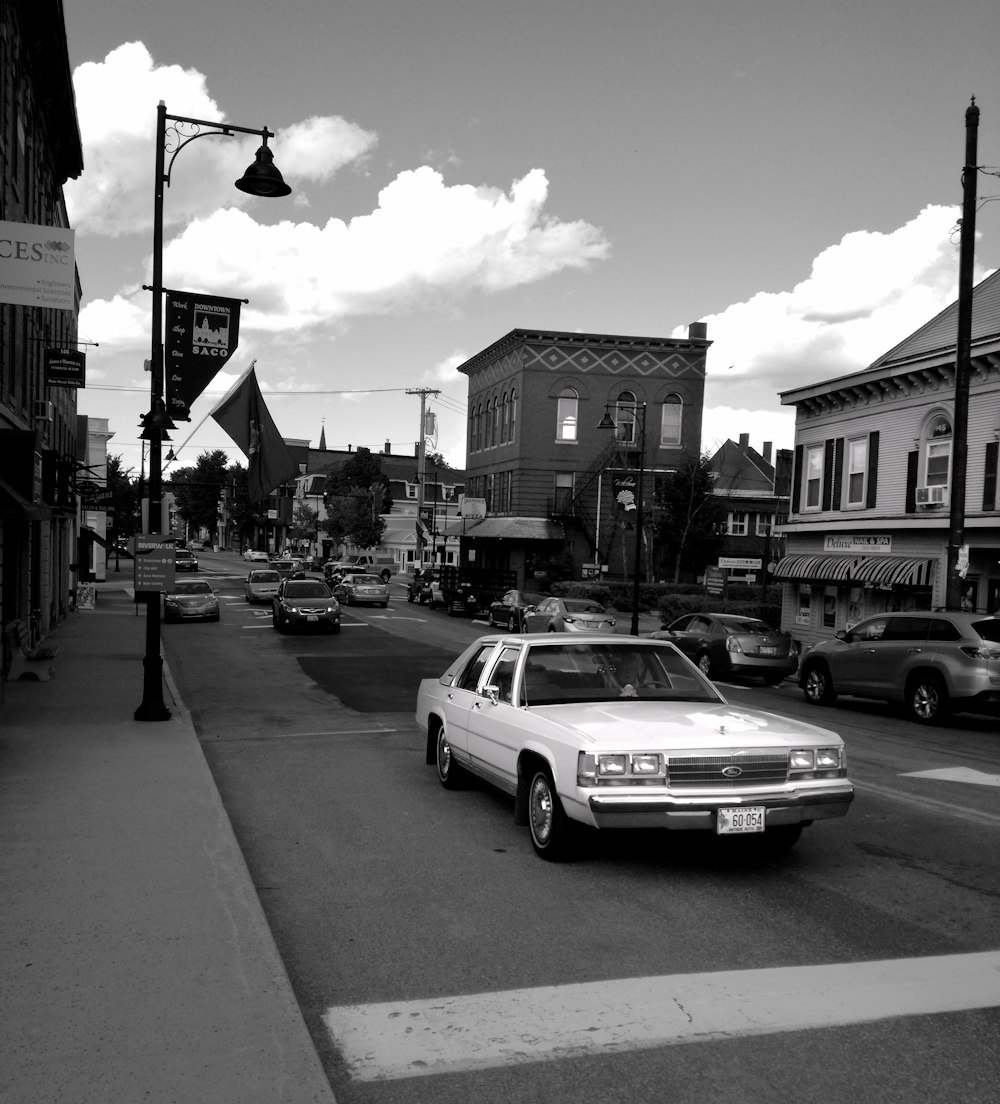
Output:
x=942 y=331
x=741 y=468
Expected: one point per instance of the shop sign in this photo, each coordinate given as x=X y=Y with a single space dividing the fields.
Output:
x=857 y=542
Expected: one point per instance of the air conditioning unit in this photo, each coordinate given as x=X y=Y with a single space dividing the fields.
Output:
x=44 y=410
x=931 y=496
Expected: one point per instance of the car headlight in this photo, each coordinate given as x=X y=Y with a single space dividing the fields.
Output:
x=619 y=767
x=822 y=762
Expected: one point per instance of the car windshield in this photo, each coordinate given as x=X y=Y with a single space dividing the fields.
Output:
x=307 y=589
x=566 y=673
x=265 y=577
x=192 y=588
x=366 y=580
x=582 y=605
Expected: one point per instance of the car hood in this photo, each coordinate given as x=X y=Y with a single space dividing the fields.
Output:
x=192 y=601
x=639 y=724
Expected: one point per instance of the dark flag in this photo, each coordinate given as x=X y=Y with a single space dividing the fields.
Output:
x=202 y=334
x=244 y=416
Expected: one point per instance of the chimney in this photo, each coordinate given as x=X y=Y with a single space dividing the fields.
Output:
x=744 y=440
x=697 y=331
x=767 y=451
x=388 y=448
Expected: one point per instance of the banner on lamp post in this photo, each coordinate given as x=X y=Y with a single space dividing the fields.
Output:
x=202 y=334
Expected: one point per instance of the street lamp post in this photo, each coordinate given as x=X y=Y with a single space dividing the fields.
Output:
x=260 y=179
x=607 y=422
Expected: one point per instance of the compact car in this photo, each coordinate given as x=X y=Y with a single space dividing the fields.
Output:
x=356 y=590
x=731 y=644
x=191 y=600
x=508 y=611
x=287 y=569
x=261 y=585
x=568 y=615
x=185 y=560
x=933 y=664
x=617 y=732
x=305 y=603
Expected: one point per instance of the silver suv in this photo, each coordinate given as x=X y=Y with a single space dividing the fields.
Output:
x=934 y=663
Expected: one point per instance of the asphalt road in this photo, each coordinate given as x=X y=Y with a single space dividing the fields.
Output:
x=412 y=919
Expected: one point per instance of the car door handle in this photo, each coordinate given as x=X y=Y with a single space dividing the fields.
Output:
x=913 y=651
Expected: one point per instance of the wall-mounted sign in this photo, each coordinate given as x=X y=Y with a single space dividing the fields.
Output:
x=745 y=563
x=857 y=542
x=65 y=368
x=471 y=508
x=37 y=265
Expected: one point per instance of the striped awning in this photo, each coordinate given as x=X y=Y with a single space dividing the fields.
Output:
x=821 y=569
x=894 y=571
x=866 y=570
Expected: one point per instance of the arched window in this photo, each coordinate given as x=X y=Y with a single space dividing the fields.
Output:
x=670 y=420
x=625 y=407
x=479 y=427
x=505 y=419
x=937 y=452
x=566 y=414
x=473 y=431
x=513 y=413
x=496 y=420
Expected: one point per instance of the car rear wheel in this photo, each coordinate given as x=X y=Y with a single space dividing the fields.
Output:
x=817 y=685
x=927 y=699
x=551 y=830
x=450 y=774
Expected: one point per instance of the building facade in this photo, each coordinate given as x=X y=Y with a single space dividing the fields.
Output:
x=544 y=477
x=873 y=475
x=40 y=149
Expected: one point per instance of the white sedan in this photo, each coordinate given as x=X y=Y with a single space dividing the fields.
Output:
x=616 y=732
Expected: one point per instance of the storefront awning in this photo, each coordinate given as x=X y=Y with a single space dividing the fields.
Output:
x=894 y=571
x=865 y=570
x=14 y=505
x=509 y=528
x=820 y=569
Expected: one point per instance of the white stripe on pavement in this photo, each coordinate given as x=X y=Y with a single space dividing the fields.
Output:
x=380 y=1042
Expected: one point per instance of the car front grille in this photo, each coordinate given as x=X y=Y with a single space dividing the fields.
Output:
x=759 y=769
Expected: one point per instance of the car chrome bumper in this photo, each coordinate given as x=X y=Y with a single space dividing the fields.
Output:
x=792 y=806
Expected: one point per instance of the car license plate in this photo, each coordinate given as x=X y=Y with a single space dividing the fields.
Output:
x=312 y=616
x=736 y=821
x=768 y=649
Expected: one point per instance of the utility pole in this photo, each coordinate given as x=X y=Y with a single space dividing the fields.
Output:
x=963 y=361
x=423 y=392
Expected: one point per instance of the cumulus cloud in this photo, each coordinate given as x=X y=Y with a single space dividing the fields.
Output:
x=863 y=296
x=115 y=99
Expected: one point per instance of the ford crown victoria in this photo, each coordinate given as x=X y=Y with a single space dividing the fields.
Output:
x=613 y=732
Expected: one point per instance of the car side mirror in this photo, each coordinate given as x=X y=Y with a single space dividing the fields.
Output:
x=492 y=692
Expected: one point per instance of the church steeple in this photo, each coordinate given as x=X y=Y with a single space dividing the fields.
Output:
x=322 y=437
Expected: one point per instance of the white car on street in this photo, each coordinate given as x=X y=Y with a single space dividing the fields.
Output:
x=624 y=732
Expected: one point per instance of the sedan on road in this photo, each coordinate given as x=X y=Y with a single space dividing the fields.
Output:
x=305 y=603
x=614 y=732
x=261 y=585
x=288 y=569
x=355 y=590
x=255 y=556
x=185 y=560
x=568 y=615
x=508 y=611
x=191 y=600
x=731 y=644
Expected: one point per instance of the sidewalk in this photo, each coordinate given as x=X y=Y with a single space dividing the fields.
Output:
x=137 y=963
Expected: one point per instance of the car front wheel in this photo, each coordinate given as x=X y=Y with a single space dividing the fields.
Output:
x=817 y=685
x=927 y=699
x=551 y=830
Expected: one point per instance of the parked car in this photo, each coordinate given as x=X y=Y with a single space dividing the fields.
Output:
x=508 y=611
x=568 y=615
x=623 y=732
x=287 y=569
x=191 y=600
x=357 y=589
x=261 y=585
x=255 y=556
x=731 y=644
x=196 y=545
x=932 y=663
x=185 y=560
x=382 y=564
x=305 y=603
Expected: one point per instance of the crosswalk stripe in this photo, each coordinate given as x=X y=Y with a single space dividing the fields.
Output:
x=380 y=1042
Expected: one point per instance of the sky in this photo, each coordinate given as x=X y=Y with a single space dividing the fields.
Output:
x=787 y=171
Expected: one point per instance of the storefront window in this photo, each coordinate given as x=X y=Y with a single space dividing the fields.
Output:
x=829 y=607
x=803 y=614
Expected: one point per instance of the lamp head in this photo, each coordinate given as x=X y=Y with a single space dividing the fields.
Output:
x=262 y=178
x=607 y=422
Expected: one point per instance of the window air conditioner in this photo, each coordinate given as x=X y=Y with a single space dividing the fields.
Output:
x=43 y=410
x=931 y=496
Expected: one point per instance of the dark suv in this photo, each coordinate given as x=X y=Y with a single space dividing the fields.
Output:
x=934 y=663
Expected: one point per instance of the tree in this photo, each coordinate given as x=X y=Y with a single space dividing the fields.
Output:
x=244 y=515
x=355 y=495
x=304 y=522
x=199 y=489
x=689 y=522
x=438 y=461
x=124 y=508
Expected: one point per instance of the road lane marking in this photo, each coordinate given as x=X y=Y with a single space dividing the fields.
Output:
x=958 y=774
x=932 y=804
x=382 y=1042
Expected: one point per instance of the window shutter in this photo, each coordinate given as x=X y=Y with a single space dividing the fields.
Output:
x=828 y=474
x=912 y=459
x=796 y=479
x=838 y=472
x=990 y=480
x=872 y=470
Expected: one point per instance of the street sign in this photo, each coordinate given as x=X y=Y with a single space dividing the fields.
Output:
x=154 y=562
x=745 y=563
